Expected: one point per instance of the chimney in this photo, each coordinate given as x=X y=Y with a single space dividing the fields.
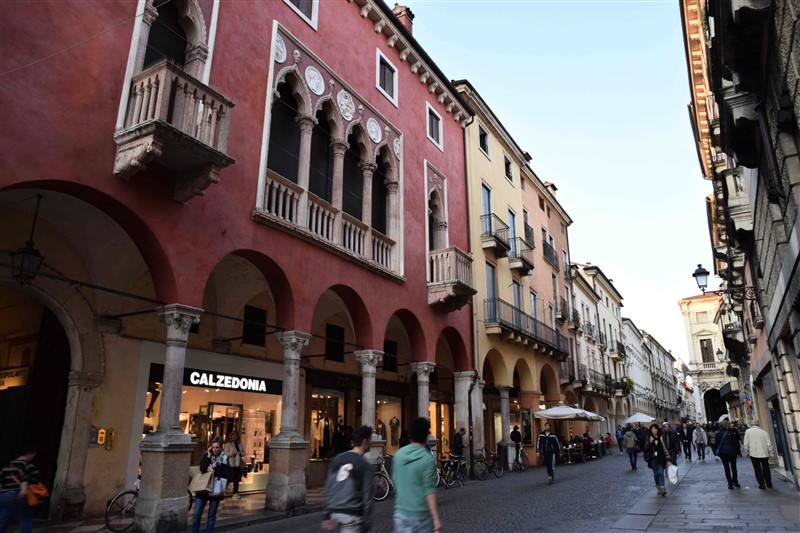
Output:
x=551 y=187
x=405 y=16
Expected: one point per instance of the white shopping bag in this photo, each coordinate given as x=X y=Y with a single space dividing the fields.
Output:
x=219 y=486
x=672 y=474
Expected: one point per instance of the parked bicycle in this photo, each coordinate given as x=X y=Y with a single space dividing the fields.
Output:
x=121 y=508
x=454 y=470
x=521 y=461
x=383 y=481
x=484 y=465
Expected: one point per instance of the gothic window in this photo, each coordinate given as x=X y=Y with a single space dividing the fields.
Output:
x=379 y=209
x=284 y=135
x=320 y=179
x=352 y=180
x=166 y=39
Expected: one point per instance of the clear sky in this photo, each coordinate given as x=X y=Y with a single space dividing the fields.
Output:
x=597 y=92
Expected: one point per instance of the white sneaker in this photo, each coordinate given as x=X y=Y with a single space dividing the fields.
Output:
x=550 y=480
x=236 y=497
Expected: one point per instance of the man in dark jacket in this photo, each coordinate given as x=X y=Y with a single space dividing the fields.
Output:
x=349 y=487
x=672 y=442
x=685 y=434
x=458 y=442
x=548 y=445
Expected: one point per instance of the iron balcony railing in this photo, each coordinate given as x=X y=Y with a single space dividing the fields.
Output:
x=621 y=348
x=550 y=255
x=493 y=226
x=529 y=233
x=521 y=250
x=503 y=313
x=589 y=328
x=601 y=338
x=563 y=309
x=576 y=318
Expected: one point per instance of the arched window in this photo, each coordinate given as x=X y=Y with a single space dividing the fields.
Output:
x=379 y=208
x=166 y=39
x=352 y=179
x=320 y=179
x=284 y=135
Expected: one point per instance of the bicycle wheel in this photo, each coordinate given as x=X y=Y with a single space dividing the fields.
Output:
x=461 y=474
x=381 y=490
x=525 y=463
x=119 y=513
x=497 y=467
x=438 y=477
x=480 y=470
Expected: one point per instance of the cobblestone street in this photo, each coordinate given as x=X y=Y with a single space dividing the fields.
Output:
x=600 y=496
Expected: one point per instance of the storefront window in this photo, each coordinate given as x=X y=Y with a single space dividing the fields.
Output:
x=388 y=417
x=328 y=432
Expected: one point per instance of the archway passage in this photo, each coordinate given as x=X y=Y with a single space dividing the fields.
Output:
x=34 y=369
x=715 y=406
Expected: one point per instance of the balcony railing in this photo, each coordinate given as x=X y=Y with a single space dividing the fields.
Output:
x=520 y=257
x=530 y=236
x=590 y=329
x=601 y=338
x=575 y=320
x=450 y=282
x=284 y=203
x=562 y=311
x=550 y=255
x=495 y=234
x=502 y=313
x=621 y=348
x=178 y=122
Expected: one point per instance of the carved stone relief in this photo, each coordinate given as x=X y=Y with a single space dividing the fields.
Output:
x=280 y=49
x=346 y=105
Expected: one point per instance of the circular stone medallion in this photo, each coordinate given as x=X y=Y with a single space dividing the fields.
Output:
x=374 y=130
x=398 y=148
x=346 y=105
x=315 y=81
x=280 y=49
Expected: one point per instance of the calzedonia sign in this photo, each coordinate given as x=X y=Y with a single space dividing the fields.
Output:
x=195 y=377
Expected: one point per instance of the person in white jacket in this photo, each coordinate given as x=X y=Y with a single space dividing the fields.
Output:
x=700 y=441
x=759 y=447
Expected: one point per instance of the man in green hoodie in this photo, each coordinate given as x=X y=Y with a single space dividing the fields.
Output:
x=414 y=470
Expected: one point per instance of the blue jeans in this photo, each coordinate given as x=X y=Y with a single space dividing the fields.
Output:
x=199 y=504
x=550 y=461
x=410 y=524
x=701 y=451
x=658 y=473
x=632 y=456
x=348 y=523
x=12 y=505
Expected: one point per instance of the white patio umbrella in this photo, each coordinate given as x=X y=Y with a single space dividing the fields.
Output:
x=638 y=417
x=564 y=412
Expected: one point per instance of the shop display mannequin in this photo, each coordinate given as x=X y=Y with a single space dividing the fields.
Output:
x=316 y=437
x=380 y=429
x=327 y=436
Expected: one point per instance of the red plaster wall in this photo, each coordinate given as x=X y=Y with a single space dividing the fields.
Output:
x=57 y=120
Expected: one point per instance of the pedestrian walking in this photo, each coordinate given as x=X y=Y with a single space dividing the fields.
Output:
x=685 y=437
x=671 y=441
x=631 y=444
x=728 y=449
x=758 y=446
x=711 y=436
x=658 y=456
x=548 y=445
x=216 y=460
x=235 y=451
x=516 y=438
x=416 y=509
x=15 y=479
x=620 y=434
x=458 y=442
x=699 y=437
x=349 y=487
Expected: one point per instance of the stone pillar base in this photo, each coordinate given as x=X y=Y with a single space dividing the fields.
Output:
x=286 y=481
x=162 y=503
x=376 y=450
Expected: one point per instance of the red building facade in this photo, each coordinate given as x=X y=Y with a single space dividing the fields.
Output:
x=283 y=182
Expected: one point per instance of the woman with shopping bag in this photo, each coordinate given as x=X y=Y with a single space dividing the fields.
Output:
x=214 y=461
x=658 y=457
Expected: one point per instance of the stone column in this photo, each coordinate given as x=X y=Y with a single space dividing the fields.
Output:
x=393 y=222
x=286 y=481
x=306 y=123
x=478 y=430
x=367 y=170
x=338 y=149
x=505 y=424
x=68 y=496
x=423 y=371
x=461 y=393
x=369 y=360
x=162 y=502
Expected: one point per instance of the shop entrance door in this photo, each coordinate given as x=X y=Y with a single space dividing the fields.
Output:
x=224 y=418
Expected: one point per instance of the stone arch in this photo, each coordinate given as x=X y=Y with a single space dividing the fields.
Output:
x=192 y=21
x=525 y=374
x=548 y=384
x=363 y=144
x=291 y=76
x=334 y=116
x=497 y=366
x=416 y=335
x=458 y=349
x=359 y=315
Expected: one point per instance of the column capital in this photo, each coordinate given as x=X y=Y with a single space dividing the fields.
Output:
x=339 y=147
x=368 y=167
x=503 y=390
x=369 y=360
x=179 y=317
x=293 y=343
x=306 y=122
x=423 y=369
x=197 y=51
